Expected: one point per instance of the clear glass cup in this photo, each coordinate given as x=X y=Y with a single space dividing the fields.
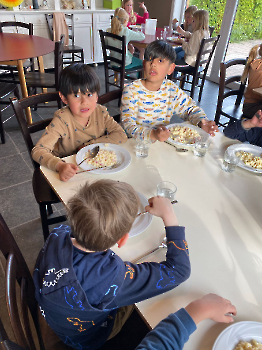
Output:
x=142 y=147
x=166 y=31
x=230 y=161
x=201 y=147
x=167 y=189
x=143 y=28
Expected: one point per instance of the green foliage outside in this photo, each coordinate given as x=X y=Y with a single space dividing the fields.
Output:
x=248 y=21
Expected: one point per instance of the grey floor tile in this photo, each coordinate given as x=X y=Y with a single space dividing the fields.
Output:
x=8 y=148
x=13 y=170
x=18 y=204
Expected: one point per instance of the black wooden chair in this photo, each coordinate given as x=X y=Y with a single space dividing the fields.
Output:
x=5 y=90
x=44 y=194
x=36 y=80
x=19 y=307
x=23 y=28
x=233 y=110
x=199 y=72
x=72 y=52
x=116 y=65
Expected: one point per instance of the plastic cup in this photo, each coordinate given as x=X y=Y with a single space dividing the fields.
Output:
x=167 y=189
x=230 y=161
x=142 y=147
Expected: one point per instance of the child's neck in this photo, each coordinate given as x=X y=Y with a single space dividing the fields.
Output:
x=151 y=86
x=78 y=246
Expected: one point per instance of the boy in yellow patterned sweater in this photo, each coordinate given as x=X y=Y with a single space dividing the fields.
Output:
x=148 y=104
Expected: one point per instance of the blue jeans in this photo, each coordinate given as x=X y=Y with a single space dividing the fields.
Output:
x=180 y=53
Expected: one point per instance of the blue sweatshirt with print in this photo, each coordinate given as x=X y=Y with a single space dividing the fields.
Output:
x=79 y=293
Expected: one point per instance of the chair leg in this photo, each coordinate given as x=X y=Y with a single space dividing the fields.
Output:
x=182 y=81
x=43 y=215
x=2 y=133
x=49 y=209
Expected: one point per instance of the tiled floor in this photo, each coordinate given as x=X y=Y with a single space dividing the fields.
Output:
x=18 y=205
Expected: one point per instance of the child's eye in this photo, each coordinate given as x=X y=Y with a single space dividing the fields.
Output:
x=77 y=95
x=89 y=94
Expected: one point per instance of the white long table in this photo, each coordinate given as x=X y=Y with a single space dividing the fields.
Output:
x=222 y=213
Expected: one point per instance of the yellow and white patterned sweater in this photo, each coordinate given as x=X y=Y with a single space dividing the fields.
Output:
x=142 y=109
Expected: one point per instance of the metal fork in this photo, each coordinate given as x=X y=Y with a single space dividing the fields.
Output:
x=104 y=168
x=162 y=245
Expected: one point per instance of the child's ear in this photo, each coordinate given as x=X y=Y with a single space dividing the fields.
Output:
x=63 y=98
x=122 y=241
x=171 y=68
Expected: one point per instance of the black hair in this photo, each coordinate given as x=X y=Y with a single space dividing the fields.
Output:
x=78 y=76
x=160 y=49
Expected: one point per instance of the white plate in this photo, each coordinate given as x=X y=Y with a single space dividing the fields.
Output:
x=256 y=150
x=135 y=26
x=231 y=336
x=143 y=221
x=201 y=132
x=123 y=157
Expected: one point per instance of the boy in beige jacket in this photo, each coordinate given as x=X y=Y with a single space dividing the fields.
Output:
x=82 y=122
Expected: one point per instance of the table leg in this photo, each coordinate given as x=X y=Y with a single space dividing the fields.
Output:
x=21 y=75
x=41 y=68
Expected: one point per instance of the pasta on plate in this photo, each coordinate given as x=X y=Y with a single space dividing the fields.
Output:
x=244 y=345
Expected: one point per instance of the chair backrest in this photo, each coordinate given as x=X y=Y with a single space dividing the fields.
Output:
x=28 y=26
x=19 y=109
x=5 y=342
x=205 y=53
x=224 y=81
x=17 y=272
x=110 y=54
x=69 y=22
x=111 y=96
x=59 y=50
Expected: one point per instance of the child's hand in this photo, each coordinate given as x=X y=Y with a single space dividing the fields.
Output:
x=131 y=48
x=209 y=126
x=180 y=30
x=142 y=5
x=162 y=207
x=160 y=134
x=211 y=306
x=66 y=170
x=255 y=122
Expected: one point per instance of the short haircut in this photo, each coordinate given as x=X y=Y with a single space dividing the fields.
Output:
x=160 y=49
x=102 y=212
x=78 y=76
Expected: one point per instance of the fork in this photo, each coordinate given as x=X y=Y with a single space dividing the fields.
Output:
x=103 y=167
x=162 y=245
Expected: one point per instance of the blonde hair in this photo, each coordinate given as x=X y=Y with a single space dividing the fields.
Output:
x=253 y=54
x=190 y=10
x=120 y=16
x=101 y=213
x=132 y=17
x=201 y=18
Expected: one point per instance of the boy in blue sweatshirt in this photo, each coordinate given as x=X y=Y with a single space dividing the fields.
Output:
x=86 y=291
x=246 y=130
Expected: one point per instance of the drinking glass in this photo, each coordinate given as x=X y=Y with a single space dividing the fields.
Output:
x=166 y=189
x=230 y=161
x=142 y=147
x=201 y=146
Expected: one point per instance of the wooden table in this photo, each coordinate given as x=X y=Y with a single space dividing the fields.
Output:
x=16 y=48
x=222 y=215
x=258 y=91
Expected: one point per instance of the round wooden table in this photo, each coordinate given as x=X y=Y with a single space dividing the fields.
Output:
x=17 y=47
